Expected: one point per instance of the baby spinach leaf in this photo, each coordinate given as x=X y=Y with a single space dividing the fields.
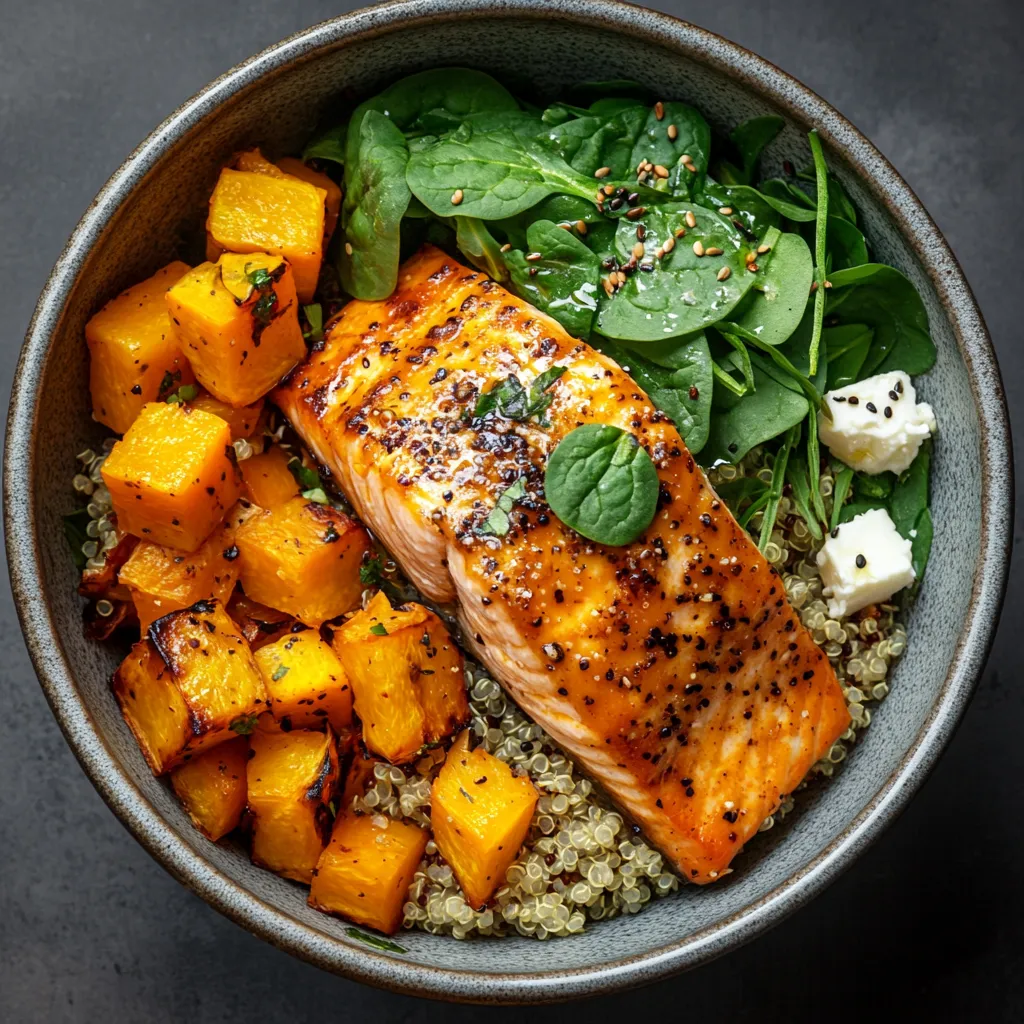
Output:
x=449 y=94
x=680 y=293
x=847 y=346
x=376 y=197
x=750 y=138
x=74 y=533
x=593 y=142
x=749 y=208
x=844 y=245
x=497 y=523
x=775 y=307
x=692 y=139
x=559 y=113
x=677 y=377
x=909 y=496
x=435 y=123
x=771 y=409
x=921 y=542
x=478 y=245
x=602 y=484
x=328 y=145
x=498 y=174
x=881 y=297
x=563 y=282
x=734 y=388
x=788 y=193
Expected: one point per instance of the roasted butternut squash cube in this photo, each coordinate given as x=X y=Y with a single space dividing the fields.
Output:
x=238 y=320
x=163 y=580
x=268 y=480
x=256 y=213
x=332 y=203
x=302 y=558
x=407 y=677
x=306 y=683
x=480 y=813
x=135 y=353
x=189 y=686
x=212 y=787
x=366 y=870
x=243 y=420
x=173 y=476
x=292 y=778
x=259 y=624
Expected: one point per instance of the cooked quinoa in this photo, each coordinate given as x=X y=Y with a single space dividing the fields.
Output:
x=582 y=861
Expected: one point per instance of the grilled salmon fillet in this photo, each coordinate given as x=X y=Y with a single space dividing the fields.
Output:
x=673 y=669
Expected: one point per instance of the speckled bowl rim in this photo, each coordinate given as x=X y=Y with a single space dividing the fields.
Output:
x=181 y=860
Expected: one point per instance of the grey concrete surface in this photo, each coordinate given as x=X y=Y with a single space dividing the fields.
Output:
x=929 y=926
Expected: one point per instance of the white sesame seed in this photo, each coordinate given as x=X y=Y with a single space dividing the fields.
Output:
x=457 y=197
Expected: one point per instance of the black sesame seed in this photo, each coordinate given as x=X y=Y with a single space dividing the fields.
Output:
x=834 y=533
x=853 y=400
x=899 y=386
x=838 y=398
x=616 y=203
x=871 y=407
x=888 y=412
x=894 y=395
x=861 y=561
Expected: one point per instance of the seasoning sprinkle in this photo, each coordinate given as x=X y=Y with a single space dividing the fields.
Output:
x=661 y=171
x=348 y=248
x=679 y=232
x=670 y=244
x=725 y=211
x=636 y=213
x=871 y=407
x=853 y=400
x=581 y=226
x=659 y=110
x=762 y=249
x=691 y=221
x=861 y=561
x=457 y=197
x=641 y=232
x=505 y=247
x=602 y=172
x=724 y=274
x=888 y=412
x=534 y=256
x=698 y=248
x=753 y=268
x=638 y=250
x=713 y=251
x=673 y=132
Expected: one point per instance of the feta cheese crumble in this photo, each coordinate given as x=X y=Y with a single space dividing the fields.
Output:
x=876 y=424
x=864 y=561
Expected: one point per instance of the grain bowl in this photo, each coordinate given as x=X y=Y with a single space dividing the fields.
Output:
x=152 y=211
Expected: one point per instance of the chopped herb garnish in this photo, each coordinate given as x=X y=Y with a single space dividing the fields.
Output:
x=316 y=494
x=510 y=399
x=370 y=572
x=377 y=629
x=497 y=523
x=244 y=725
x=167 y=382
x=186 y=393
x=315 y=318
x=372 y=940
x=260 y=278
x=308 y=479
x=280 y=672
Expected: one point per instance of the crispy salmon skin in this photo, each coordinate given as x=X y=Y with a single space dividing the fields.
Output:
x=672 y=669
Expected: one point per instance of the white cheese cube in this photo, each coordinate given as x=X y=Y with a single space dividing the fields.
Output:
x=877 y=423
x=863 y=562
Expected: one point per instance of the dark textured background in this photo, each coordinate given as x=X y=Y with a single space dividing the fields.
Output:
x=929 y=925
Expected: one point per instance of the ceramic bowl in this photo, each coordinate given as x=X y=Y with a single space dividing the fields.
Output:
x=153 y=209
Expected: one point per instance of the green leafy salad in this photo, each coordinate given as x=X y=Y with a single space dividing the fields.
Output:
x=736 y=301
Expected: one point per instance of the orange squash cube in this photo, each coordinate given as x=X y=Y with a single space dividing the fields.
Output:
x=407 y=677
x=480 y=813
x=173 y=476
x=292 y=778
x=302 y=558
x=243 y=420
x=366 y=870
x=332 y=203
x=163 y=580
x=212 y=787
x=268 y=480
x=253 y=160
x=134 y=350
x=238 y=320
x=189 y=686
x=255 y=213
x=306 y=683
